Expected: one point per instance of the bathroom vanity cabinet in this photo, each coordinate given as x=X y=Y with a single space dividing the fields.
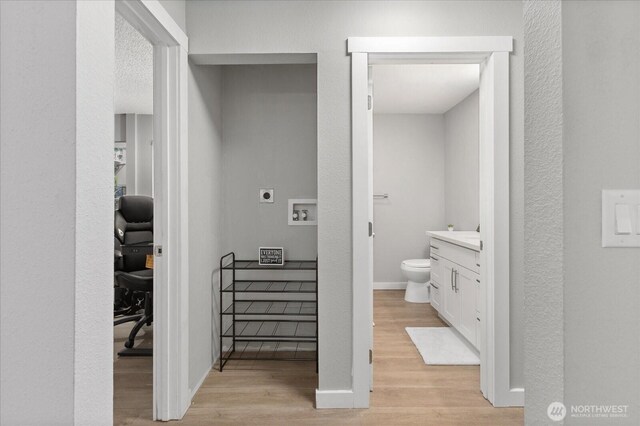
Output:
x=455 y=285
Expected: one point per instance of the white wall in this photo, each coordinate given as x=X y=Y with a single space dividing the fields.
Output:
x=462 y=192
x=323 y=27
x=269 y=141
x=205 y=217
x=408 y=164
x=544 y=369
x=56 y=103
x=601 y=150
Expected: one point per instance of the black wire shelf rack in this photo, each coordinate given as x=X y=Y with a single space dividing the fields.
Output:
x=267 y=319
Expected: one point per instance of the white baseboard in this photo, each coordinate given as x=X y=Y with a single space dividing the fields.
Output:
x=334 y=399
x=390 y=285
x=196 y=388
x=516 y=397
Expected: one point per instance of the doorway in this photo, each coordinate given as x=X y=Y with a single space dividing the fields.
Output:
x=133 y=223
x=171 y=394
x=492 y=55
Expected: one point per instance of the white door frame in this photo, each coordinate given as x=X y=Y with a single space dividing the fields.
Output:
x=171 y=394
x=492 y=53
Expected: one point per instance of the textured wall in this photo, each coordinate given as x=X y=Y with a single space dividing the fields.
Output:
x=462 y=191
x=323 y=27
x=543 y=209
x=205 y=216
x=408 y=164
x=601 y=67
x=56 y=212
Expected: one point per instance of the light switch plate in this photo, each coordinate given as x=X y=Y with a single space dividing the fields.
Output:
x=266 y=195
x=621 y=218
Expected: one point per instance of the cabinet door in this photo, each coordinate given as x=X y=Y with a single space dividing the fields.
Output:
x=450 y=298
x=467 y=290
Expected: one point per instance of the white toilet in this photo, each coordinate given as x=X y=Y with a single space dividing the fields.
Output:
x=418 y=273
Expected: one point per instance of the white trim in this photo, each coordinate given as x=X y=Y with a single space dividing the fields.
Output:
x=379 y=285
x=171 y=393
x=362 y=276
x=153 y=21
x=430 y=44
x=335 y=399
x=493 y=53
x=515 y=398
x=253 y=58
x=199 y=383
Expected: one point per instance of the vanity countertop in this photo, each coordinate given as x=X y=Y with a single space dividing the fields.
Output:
x=468 y=239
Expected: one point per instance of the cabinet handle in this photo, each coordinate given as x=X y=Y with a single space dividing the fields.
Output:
x=477 y=280
x=452 y=279
x=435 y=258
x=434 y=286
x=457 y=281
x=434 y=247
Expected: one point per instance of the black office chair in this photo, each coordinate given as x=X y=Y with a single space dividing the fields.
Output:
x=133 y=280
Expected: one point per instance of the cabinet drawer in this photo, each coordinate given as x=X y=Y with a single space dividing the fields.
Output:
x=463 y=256
x=435 y=296
x=436 y=269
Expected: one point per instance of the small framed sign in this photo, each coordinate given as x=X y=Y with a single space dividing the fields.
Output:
x=271 y=256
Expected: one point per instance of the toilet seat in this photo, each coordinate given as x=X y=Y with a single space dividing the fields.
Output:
x=417 y=263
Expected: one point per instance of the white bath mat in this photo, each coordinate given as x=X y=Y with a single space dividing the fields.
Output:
x=442 y=346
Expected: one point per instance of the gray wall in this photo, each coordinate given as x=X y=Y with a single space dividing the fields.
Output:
x=601 y=103
x=137 y=131
x=323 y=27
x=56 y=212
x=120 y=134
x=408 y=164
x=269 y=141
x=144 y=154
x=462 y=193
x=205 y=216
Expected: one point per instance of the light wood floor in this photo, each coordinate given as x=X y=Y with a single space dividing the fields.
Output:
x=406 y=391
x=132 y=379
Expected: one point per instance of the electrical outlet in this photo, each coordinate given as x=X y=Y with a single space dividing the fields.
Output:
x=266 y=195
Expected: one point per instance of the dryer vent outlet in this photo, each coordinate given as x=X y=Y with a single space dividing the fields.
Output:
x=266 y=195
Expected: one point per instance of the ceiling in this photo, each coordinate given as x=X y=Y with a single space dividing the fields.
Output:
x=422 y=88
x=133 y=71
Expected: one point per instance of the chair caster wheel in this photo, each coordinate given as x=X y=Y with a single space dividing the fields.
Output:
x=128 y=344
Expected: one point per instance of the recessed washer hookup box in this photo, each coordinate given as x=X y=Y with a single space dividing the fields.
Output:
x=271 y=256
